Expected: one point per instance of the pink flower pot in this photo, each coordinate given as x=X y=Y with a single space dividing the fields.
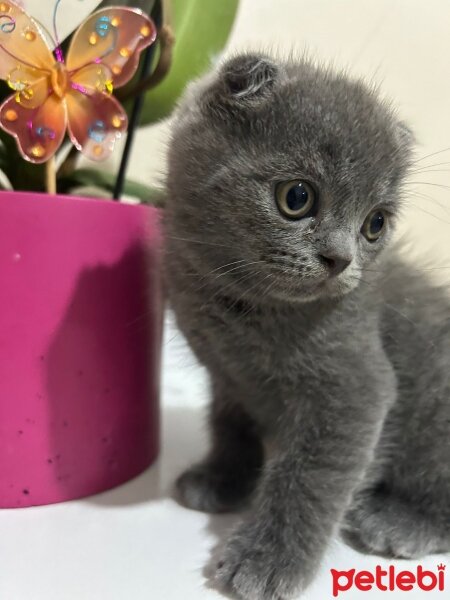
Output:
x=80 y=332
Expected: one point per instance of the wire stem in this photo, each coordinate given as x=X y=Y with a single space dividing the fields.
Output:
x=50 y=173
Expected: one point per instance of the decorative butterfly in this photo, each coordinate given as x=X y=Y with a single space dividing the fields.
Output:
x=53 y=95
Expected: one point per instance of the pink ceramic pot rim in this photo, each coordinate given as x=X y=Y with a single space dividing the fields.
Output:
x=81 y=199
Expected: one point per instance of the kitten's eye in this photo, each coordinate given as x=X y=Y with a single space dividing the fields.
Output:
x=296 y=199
x=373 y=225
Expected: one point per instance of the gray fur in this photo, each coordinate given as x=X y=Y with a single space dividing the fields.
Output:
x=348 y=380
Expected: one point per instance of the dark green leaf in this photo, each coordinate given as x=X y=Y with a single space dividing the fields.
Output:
x=23 y=175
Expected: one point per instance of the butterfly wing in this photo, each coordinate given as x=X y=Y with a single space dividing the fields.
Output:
x=39 y=131
x=25 y=46
x=113 y=37
x=95 y=118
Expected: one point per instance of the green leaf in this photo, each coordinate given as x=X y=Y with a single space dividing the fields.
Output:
x=201 y=29
x=106 y=181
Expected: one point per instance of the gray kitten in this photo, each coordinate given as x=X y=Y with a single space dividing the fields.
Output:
x=285 y=181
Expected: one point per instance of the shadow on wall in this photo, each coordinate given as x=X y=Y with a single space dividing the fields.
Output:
x=103 y=377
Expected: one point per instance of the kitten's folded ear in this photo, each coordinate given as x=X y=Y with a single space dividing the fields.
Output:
x=242 y=83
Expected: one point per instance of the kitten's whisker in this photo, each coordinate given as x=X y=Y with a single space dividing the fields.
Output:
x=431 y=169
x=421 y=195
x=421 y=269
x=244 y=293
x=258 y=284
x=420 y=171
x=239 y=267
x=202 y=277
x=192 y=241
x=430 y=155
x=427 y=212
x=440 y=185
x=255 y=262
x=268 y=288
x=221 y=291
x=242 y=260
x=432 y=166
x=263 y=293
x=434 y=268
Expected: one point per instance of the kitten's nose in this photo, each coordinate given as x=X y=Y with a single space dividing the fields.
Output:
x=336 y=264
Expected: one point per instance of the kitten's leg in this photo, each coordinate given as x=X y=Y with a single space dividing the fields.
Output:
x=381 y=523
x=326 y=442
x=228 y=475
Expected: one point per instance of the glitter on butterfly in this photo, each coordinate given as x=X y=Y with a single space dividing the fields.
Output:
x=54 y=94
x=102 y=27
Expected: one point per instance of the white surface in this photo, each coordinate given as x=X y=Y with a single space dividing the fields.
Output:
x=135 y=542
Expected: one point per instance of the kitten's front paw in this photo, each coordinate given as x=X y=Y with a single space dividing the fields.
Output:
x=253 y=568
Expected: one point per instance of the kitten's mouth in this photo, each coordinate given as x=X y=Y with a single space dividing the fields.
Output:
x=272 y=282
x=293 y=287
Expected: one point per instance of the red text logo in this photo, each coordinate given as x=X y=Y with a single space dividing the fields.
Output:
x=388 y=580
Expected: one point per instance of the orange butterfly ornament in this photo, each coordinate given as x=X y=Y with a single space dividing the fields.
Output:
x=53 y=94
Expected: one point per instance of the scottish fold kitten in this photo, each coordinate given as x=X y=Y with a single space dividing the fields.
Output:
x=285 y=183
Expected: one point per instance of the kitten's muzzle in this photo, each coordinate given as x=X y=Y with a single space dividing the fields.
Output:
x=334 y=264
x=335 y=251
